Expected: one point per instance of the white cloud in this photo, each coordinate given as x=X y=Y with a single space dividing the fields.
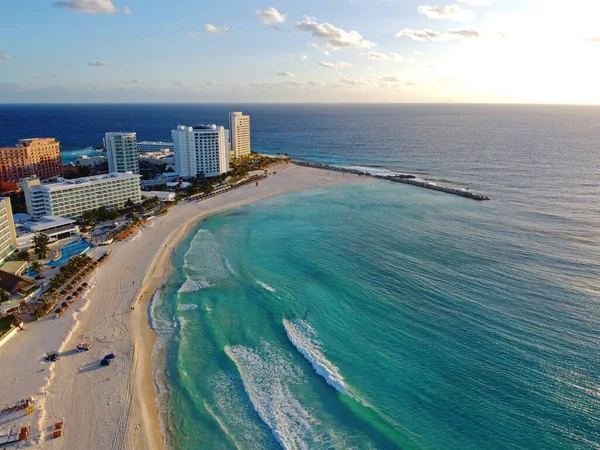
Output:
x=381 y=56
x=191 y=34
x=319 y=48
x=452 y=12
x=353 y=82
x=4 y=55
x=588 y=39
x=285 y=74
x=334 y=65
x=271 y=17
x=417 y=53
x=335 y=38
x=422 y=35
x=429 y=35
x=92 y=6
x=299 y=57
x=210 y=28
x=390 y=79
x=99 y=64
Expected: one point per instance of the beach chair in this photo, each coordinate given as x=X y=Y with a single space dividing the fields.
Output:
x=58 y=430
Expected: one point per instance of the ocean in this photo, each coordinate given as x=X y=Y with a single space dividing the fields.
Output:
x=381 y=316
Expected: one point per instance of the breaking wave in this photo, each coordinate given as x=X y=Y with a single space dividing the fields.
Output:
x=266 y=286
x=186 y=307
x=266 y=376
x=193 y=286
x=304 y=338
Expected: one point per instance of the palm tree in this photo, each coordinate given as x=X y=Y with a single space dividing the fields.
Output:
x=40 y=245
x=37 y=267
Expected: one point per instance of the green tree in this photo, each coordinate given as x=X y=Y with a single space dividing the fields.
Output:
x=23 y=255
x=129 y=204
x=40 y=245
x=37 y=266
x=4 y=295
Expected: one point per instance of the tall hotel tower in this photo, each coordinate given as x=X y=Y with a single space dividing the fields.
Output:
x=200 y=149
x=122 y=152
x=239 y=124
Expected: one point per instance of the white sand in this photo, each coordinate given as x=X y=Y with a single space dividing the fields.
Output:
x=114 y=407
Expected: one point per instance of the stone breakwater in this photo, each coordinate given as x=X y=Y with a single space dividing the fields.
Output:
x=406 y=179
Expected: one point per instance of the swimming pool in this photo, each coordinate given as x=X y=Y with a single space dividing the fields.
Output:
x=70 y=250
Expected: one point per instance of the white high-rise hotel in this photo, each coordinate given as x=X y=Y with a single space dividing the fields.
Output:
x=122 y=152
x=239 y=124
x=201 y=149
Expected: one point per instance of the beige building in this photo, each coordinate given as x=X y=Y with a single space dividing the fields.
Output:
x=31 y=157
x=71 y=198
x=8 y=234
x=239 y=126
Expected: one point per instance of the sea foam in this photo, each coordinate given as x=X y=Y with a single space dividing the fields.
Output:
x=193 y=286
x=267 y=376
x=266 y=286
x=186 y=307
x=304 y=338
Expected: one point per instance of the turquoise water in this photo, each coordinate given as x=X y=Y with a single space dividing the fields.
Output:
x=379 y=316
x=69 y=250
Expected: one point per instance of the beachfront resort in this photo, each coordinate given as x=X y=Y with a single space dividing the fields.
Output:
x=58 y=229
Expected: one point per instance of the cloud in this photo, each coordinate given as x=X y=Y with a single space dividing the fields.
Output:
x=381 y=56
x=429 y=35
x=271 y=17
x=353 y=82
x=422 y=35
x=588 y=39
x=92 y=6
x=334 y=65
x=319 y=48
x=335 y=38
x=465 y=34
x=99 y=64
x=134 y=81
x=4 y=55
x=285 y=74
x=390 y=79
x=452 y=12
x=191 y=34
x=210 y=28
x=299 y=57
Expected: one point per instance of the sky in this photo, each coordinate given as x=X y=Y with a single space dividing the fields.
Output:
x=472 y=51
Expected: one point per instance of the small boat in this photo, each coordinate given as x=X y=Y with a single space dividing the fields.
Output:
x=52 y=356
x=83 y=347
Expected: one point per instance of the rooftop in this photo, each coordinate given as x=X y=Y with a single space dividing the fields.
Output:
x=69 y=184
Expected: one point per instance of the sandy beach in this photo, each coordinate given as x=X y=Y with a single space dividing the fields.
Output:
x=114 y=407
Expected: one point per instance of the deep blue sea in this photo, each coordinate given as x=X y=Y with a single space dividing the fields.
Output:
x=382 y=316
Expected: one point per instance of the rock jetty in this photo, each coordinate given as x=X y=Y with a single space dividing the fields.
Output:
x=405 y=178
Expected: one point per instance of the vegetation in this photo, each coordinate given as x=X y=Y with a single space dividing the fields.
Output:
x=151 y=203
x=40 y=245
x=70 y=270
x=4 y=296
x=102 y=214
x=23 y=255
x=37 y=267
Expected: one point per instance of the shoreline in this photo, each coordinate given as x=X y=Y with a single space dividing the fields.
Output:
x=115 y=407
x=158 y=273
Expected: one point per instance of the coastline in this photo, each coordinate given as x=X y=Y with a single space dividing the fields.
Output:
x=116 y=406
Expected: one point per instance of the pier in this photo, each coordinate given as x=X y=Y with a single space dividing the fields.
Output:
x=405 y=179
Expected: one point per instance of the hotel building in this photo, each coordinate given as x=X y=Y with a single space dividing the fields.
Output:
x=8 y=235
x=122 y=152
x=71 y=198
x=200 y=149
x=38 y=157
x=239 y=124
x=145 y=147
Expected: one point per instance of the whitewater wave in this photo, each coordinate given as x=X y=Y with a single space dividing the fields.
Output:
x=186 y=307
x=304 y=338
x=380 y=171
x=266 y=286
x=266 y=376
x=193 y=286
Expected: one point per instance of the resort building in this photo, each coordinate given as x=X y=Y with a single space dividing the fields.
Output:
x=122 y=152
x=90 y=161
x=239 y=124
x=56 y=228
x=38 y=157
x=201 y=149
x=71 y=198
x=144 y=147
x=158 y=158
x=8 y=235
